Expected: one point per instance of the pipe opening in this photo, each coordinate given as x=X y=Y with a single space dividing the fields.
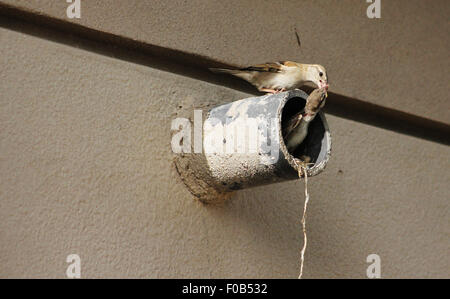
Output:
x=312 y=145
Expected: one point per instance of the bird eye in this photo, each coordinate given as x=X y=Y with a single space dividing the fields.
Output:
x=320 y=74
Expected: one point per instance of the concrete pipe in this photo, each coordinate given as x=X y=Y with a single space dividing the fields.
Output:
x=243 y=147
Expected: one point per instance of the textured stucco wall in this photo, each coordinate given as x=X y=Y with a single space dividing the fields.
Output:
x=86 y=167
x=399 y=61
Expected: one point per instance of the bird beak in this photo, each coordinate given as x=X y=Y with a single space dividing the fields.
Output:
x=323 y=85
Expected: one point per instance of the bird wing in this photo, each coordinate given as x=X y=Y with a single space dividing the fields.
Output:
x=271 y=67
x=293 y=123
x=266 y=75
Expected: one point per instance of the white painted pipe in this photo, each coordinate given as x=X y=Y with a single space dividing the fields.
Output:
x=243 y=147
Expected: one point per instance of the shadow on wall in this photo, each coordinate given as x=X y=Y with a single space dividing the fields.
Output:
x=195 y=66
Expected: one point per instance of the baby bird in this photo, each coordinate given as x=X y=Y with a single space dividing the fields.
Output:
x=274 y=77
x=296 y=128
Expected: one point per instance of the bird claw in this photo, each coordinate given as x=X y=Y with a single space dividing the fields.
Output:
x=273 y=91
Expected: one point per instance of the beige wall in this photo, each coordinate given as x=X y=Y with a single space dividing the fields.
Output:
x=399 y=61
x=86 y=165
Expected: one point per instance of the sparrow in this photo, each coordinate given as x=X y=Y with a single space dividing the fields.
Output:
x=296 y=128
x=274 y=77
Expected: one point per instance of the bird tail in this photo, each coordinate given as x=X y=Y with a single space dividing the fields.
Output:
x=224 y=71
x=246 y=75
